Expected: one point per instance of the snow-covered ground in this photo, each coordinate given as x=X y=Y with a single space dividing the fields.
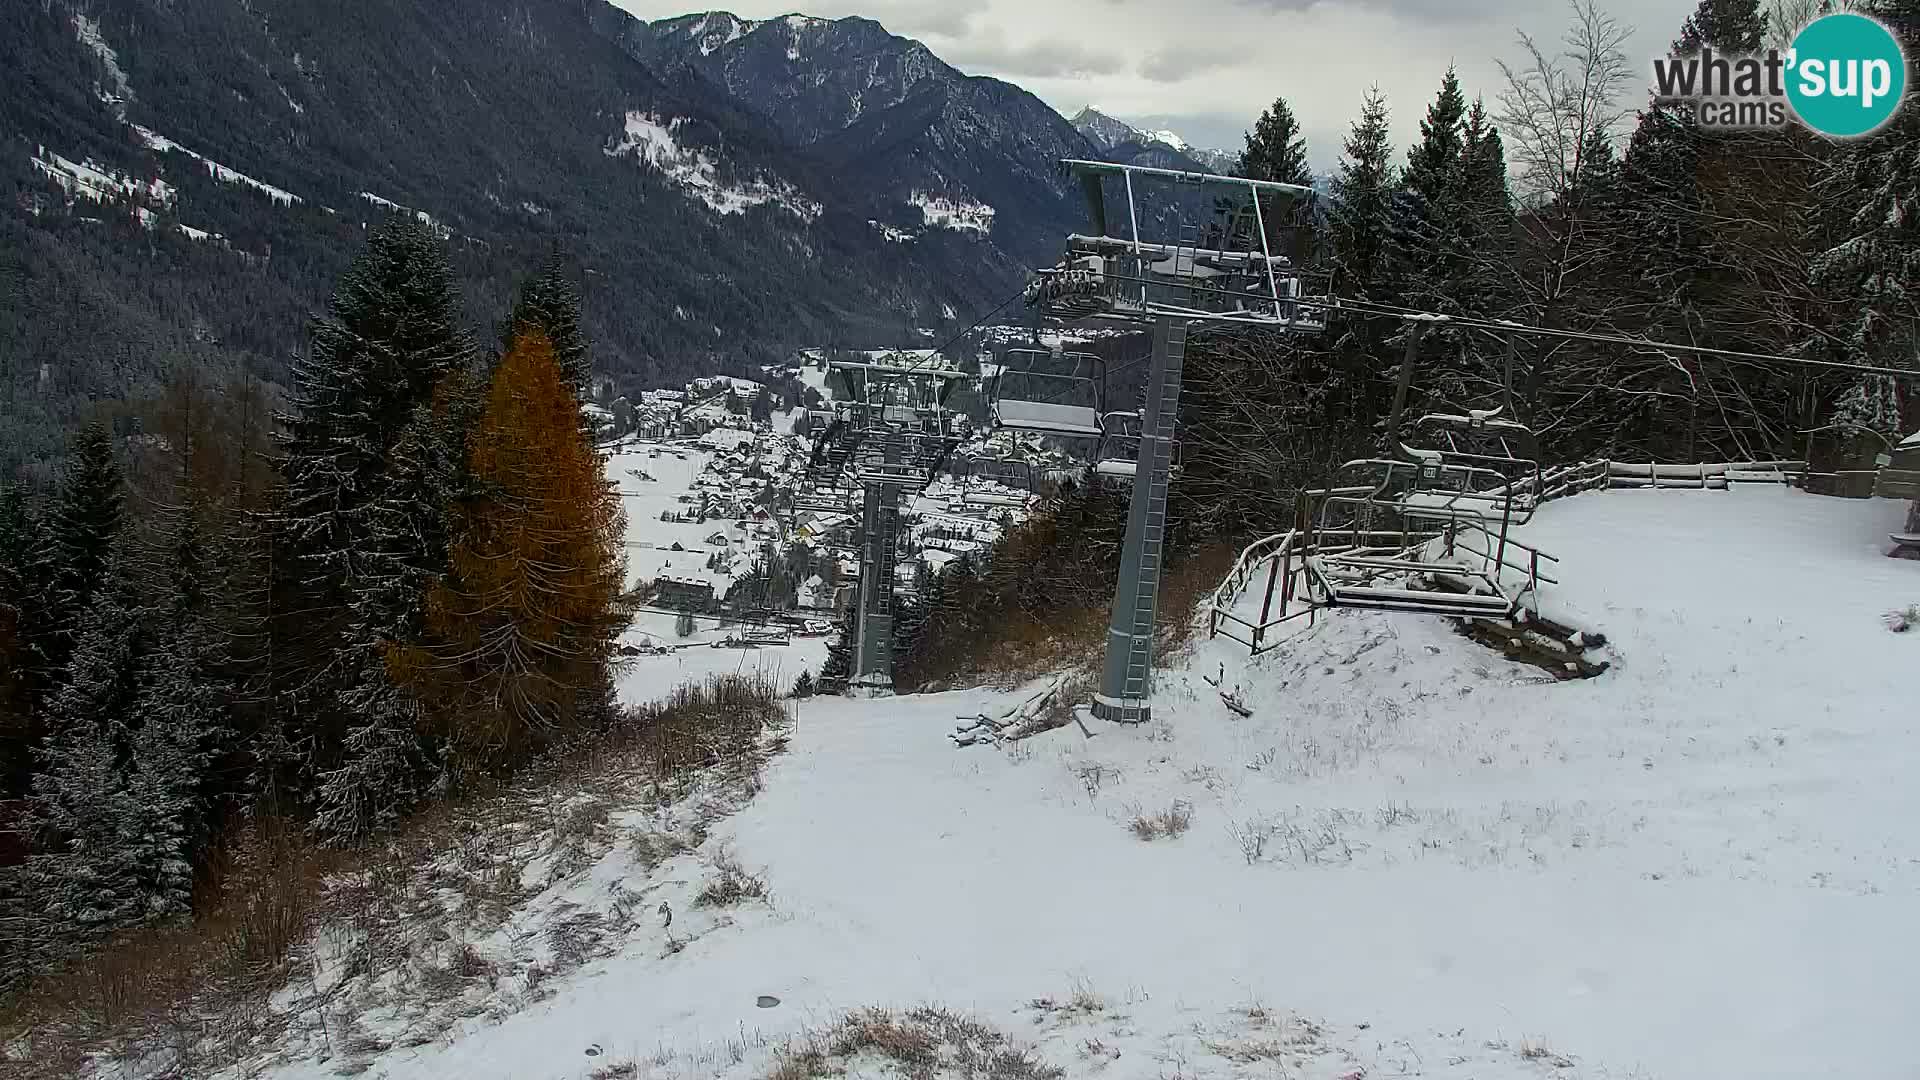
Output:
x=652 y=677
x=1413 y=859
x=673 y=468
x=650 y=541
x=652 y=140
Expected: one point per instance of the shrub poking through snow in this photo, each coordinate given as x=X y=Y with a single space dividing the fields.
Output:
x=1252 y=837
x=1081 y=1003
x=730 y=884
x=1093 y=775
x=1168 y=823
x=1903 y=619
x=922 y=1044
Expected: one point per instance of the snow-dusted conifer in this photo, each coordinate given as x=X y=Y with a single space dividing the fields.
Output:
x=101 y=677
x=381 y=766
x=18 y=610
x=182 y=709
x=550 y=301
x=1275 y=148
x=1360 y=222
x=79 y=540
x=390 y=338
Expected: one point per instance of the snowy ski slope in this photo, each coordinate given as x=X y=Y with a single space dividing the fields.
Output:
x=1414 y=859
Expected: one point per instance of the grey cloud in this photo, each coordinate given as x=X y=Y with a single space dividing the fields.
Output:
x=1185 y=62
x=992 y=54
x=934 y=18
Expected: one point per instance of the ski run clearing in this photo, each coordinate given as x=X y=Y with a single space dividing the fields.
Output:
x=1414 y=859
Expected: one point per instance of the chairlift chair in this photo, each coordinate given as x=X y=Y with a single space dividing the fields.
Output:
x=1116 y=460
x=1479 y=458
x=1049 y=393
x=988 y=481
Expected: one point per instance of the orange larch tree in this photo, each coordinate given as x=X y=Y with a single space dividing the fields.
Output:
x=522 y=627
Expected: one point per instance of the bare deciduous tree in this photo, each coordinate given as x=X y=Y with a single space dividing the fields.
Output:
x=1554 y=105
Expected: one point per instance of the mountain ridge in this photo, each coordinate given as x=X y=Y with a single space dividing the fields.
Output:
x=1113 y=136
x=161 y=216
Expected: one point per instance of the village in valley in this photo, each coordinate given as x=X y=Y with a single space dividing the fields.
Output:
x=724 y=547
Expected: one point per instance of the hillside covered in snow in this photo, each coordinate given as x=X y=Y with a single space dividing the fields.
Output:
x=1413 y=858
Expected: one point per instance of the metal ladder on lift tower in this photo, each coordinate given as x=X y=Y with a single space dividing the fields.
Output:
x=1153 y=470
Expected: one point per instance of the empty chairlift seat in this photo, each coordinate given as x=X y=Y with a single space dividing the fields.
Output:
x=996 y=482
x=1049 y=393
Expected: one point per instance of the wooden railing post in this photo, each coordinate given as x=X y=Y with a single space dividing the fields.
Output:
x=1266 y=602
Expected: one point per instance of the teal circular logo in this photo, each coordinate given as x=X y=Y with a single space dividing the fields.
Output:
x=1846 y=75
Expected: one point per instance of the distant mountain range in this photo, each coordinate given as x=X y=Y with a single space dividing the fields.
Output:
x=186 y=181
x=1118 y=140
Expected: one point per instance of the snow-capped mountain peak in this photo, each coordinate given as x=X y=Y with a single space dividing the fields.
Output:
x=1106 y=132
x=1170 y=138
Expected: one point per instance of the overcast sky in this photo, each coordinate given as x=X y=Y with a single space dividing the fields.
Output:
x=1205 y=68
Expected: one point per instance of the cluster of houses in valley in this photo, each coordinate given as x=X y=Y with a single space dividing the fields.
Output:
x=749 y=471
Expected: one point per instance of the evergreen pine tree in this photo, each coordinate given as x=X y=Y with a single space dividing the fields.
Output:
x=1361 y=250
x=1433 y=164
x=382 y=767
x=1729 y=26
x=1487 y=223
x=78 y=544
x=1360 y=221
x=383 y=762
x=803 y=686
x=837 y=672
x=549 y=301
x=1666 y=211
x=89 y=878
x=101 y=678
x=18 y=609
x=1275 y=148
x=390 y=338
x=182 y=708
x=1431 y=214
x=1486 y=201
x=1277 y=151
x=1871 y=271
x=115 y=797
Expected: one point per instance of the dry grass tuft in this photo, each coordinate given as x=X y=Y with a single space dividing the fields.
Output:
x=730 y=884
x=1162 y=824
x=921 y=1044
x=1081 y=1003
x=1536 y=1051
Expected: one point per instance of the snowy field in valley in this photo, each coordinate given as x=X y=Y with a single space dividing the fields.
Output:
x=649 y=540
x=1414 y=859
x=651 y=677
x=673 y=468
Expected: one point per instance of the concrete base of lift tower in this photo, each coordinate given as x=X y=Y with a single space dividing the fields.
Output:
x=1121 y=710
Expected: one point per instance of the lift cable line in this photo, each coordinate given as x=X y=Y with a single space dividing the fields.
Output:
x=1509 y=327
